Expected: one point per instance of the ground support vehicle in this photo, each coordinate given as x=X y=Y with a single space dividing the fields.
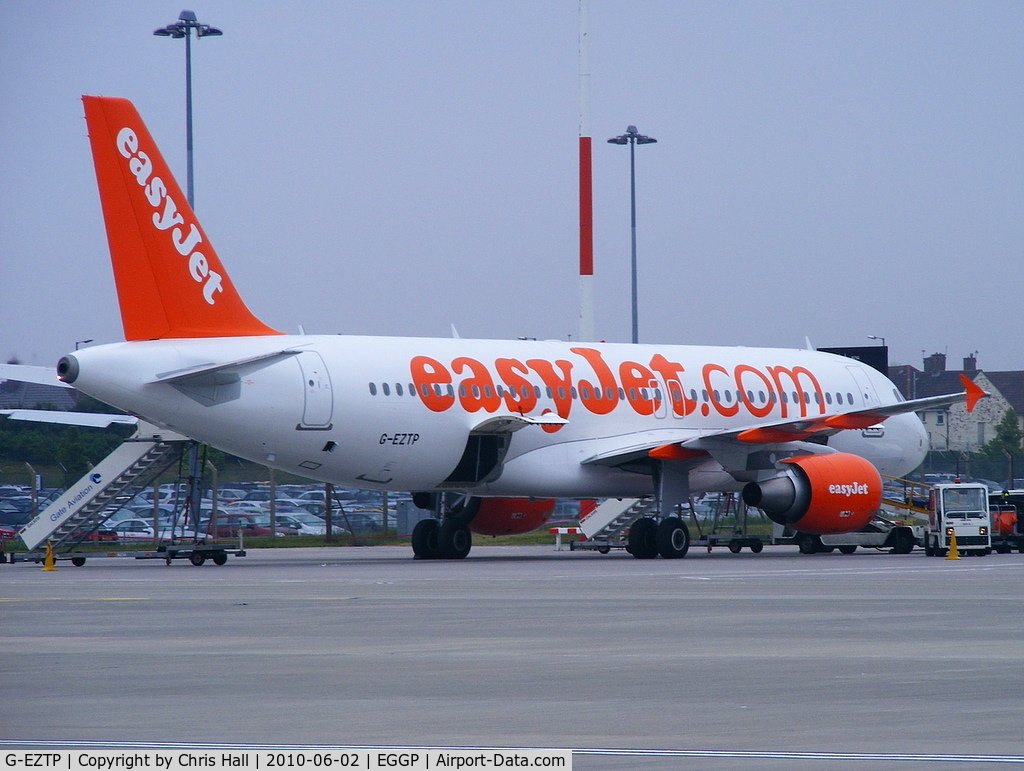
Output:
x=879 y=533
x=1004 y=512
x=628 y=523
x=195 y=553
x=958 y=510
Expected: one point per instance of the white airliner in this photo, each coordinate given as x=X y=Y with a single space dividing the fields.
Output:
x=502 y=427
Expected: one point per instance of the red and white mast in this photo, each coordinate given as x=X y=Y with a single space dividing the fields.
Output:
x=586 y=332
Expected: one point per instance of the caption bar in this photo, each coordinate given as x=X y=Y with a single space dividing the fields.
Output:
x=412 y=759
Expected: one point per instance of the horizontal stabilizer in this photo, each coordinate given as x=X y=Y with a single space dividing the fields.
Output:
x=201 y=372
x=88 y=419
x=26 y=373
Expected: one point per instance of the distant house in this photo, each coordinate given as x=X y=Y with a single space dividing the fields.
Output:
x=953 y=428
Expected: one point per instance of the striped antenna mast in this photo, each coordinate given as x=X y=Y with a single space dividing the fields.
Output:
x=586 y=332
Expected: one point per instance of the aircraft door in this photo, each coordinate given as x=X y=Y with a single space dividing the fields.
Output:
x=864 y=388
x=660 y=396
x=319 y=401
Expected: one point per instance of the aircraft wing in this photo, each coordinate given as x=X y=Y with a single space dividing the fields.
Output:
x=692 y=444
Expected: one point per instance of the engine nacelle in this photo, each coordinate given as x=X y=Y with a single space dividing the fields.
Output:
x=820 y=494
x=510 y=516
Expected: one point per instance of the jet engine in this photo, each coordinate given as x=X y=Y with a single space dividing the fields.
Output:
x=510 y=516
x=820 y=494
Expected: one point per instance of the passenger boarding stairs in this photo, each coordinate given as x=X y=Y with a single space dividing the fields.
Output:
x=87 y=504
x=607 y=525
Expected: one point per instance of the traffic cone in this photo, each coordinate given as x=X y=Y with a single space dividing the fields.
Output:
x=953 y=553
x=49 y=563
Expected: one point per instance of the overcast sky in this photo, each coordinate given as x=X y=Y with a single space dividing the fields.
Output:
x=823 y=170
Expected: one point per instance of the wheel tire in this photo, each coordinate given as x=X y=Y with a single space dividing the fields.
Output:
x=454 y=540
x=220 y=557
x=603 y=549
x=809 y=544
x=672 y=538
x=424 y=540
x=197 y=559
x=735 y=546
x=848 y=549
x=78 y=561
x=929 y=551
x=756 y=547
x=642 y=541
x=904 y=542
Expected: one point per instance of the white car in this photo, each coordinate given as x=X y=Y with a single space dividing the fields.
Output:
x=303 y=523
x=141 y=530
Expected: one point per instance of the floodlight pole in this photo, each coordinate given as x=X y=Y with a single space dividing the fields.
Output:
x=631 y=137
x=183 y=29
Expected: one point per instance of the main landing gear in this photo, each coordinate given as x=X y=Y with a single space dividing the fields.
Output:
x=648 y=539
x=433 y=540
x=445 y=536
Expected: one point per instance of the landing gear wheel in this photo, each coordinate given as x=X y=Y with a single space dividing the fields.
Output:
x=424 y=540
x=220 y=557
x=197 y=559
x=904 y=542
x=454 y=540
x=642 y=542
x=672 y=538
x=809 y=544
x=848 y=549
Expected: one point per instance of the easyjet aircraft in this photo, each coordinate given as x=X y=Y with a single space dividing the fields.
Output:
x=502 y=426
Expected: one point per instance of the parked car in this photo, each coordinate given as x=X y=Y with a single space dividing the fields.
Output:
x=231 y=524
x=302 y=522
x=358 y=521
x=140 y=529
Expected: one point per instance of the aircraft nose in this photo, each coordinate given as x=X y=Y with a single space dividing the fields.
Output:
x=67 y=369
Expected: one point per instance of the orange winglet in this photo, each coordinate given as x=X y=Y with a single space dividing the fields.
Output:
x=972 y=391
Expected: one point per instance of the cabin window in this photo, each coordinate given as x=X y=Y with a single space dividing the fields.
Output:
x=386 y=389
x=373 y=389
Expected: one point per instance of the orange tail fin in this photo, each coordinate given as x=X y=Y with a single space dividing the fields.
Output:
x=170 y=282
